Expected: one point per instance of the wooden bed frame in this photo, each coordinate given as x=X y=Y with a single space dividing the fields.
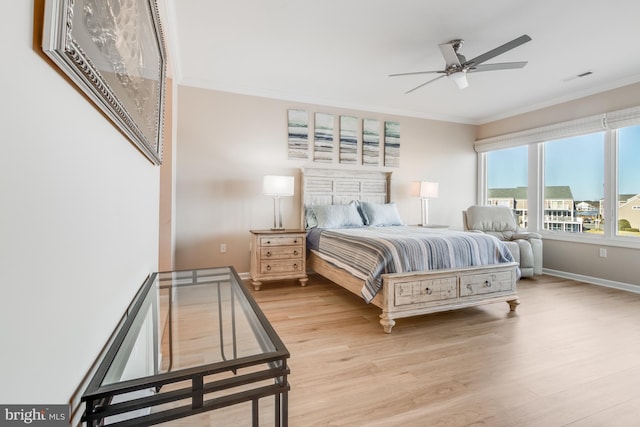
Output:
x=402 y=294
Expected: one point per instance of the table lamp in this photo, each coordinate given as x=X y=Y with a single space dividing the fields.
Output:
x=277 y=186
x=428 y=190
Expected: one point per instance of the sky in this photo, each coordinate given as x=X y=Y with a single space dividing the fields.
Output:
x=576 y=162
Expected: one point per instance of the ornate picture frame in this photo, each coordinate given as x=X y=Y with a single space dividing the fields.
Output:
x=113 y=50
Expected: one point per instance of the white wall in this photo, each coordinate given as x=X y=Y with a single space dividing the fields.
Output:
x=227 y=142
x=78 y=223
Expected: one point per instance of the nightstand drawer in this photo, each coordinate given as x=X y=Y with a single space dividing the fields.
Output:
x=280 y=241
x=479 y=284
x=281 y=252
x=279 y=267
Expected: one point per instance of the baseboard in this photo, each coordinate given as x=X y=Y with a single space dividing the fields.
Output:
x=594 y=280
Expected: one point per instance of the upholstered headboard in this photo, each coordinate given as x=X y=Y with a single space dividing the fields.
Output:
x=322 y=186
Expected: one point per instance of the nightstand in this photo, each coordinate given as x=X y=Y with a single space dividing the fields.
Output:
x=278 y=255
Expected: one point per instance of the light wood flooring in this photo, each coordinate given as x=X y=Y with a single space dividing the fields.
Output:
x=569 y=356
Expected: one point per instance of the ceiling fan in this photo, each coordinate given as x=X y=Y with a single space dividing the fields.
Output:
x=457 y=65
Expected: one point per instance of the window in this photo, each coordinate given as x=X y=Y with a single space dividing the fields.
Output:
x=628 y=194
x=583 y=180
x=507 y=180
x=574 y=184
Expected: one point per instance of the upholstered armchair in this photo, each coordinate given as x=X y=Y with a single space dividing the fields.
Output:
x=499 y=221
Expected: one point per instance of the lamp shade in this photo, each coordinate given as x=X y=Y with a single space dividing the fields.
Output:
x=277 y=185
x=428 y=190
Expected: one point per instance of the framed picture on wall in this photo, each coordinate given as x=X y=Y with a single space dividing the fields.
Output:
x=114 y=52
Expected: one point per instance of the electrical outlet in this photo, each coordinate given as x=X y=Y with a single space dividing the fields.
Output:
x=223 y=248
x=603 y=252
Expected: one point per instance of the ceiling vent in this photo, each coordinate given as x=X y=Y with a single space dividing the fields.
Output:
x=577 y=76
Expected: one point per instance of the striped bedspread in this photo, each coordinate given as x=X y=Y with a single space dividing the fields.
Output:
x=369 y=252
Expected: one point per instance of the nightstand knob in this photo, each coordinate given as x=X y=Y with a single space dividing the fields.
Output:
x=268 y=253
x=295 y=241
x=429 y=291
x=295 y=252
x=295 y=266
x=268 y=242
x=268 y=268
x=487 y=284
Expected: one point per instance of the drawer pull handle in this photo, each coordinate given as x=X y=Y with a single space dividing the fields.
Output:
x=429 y=291
x=295 y=240
x=295 y=252
x=268 y=242
x=487 y=284
x=268 y=253
x=295 y=266
x=268 y=268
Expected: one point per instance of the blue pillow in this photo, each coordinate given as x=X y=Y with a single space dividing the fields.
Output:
x=337 y=216
x=380 y=215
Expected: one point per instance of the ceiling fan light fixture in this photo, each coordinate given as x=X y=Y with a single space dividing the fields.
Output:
x=460 y=79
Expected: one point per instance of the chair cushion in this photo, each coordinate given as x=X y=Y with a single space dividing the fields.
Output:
x=491 y=219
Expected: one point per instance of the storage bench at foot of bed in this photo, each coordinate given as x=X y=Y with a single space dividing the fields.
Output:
x=413 y=294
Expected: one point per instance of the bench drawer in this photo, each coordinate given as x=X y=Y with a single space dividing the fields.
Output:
x=487 y=283
x=425 y=291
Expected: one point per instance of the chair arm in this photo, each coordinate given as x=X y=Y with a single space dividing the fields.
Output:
x=526 y=235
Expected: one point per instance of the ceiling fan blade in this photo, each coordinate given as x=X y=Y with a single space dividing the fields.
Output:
x=450 y=55
x=497 y=51
x=500 y=66
x=414 y=73
x=424 y=84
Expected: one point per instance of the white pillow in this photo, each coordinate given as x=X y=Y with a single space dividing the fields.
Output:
x=378 y=215
x=338 y=216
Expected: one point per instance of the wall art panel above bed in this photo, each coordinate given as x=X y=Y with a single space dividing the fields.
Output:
x=348 y=140
x=323 y=138
x=298 y=134
x=392 y=144
x=370 y=142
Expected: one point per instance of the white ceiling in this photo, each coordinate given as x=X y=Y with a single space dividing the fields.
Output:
x=340 y=52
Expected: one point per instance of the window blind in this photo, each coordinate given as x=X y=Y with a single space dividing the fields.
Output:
x=582 y=126
x=623 y=118
x=545 y=133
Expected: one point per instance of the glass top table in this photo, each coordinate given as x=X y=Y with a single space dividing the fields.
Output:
x=191 y=341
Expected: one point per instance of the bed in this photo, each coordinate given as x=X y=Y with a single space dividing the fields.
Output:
x=487 y=275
